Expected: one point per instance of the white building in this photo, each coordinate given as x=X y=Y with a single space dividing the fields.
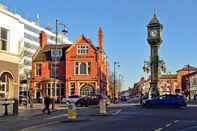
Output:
x=14 y=28
x=11 y=36
x=24 y=39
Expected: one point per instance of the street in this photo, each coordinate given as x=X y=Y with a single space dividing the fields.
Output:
x=123 y=117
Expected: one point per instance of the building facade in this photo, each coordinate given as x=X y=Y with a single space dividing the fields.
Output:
x=24 y=40
x=189 y=82
x=180 y=75
x=168 y=84
x=65 y=70
x=11 y=34
x=183 y=82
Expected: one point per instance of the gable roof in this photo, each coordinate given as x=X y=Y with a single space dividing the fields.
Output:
x=82 y=39
x=190 y=74
x=44 y=54
x=190 y=68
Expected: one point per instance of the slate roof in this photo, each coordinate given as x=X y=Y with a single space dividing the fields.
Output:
x=45 y=53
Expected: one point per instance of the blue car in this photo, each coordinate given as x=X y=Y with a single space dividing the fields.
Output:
x=166 y=101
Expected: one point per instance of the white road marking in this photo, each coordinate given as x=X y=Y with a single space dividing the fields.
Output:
x=169 y=124
x=176 y=121
x=117 y=112
x=159 y=129
x=58 y=116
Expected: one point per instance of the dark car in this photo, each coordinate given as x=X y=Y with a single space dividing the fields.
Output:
x=23 y=100
x=86 y=101
x=166 y=101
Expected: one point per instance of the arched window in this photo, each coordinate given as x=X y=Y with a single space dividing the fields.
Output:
x=87 y=91
x=5 y=84
x=83 y=68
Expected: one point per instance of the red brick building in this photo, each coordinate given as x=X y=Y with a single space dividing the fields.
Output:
x=69 y=69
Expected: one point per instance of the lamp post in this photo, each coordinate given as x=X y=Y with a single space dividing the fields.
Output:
x=58 y=24
x=188 y=69
x=29 y=90
x=120 y=84
x=118 y=65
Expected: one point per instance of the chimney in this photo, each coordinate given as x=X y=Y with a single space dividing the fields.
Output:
x=100 y=38
x=43 y=39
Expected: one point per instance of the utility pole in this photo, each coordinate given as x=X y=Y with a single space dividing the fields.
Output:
x=114 y=90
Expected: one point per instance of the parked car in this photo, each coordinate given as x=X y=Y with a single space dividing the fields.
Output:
x=166 y=101
x=70 y=99
x=94 y=100
x=86 y=101
x=23 y=100
x=134 y=99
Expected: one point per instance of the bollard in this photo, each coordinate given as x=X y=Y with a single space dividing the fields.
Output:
x=15 y=107
x=6 y=107
x=72 y=113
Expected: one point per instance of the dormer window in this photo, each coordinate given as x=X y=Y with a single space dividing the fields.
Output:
x=56 y=53
x=82 y=49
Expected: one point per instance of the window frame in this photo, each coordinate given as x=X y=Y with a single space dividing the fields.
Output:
x=82 y=49
x=36 y=69
x=6 y=40
x=77 y=68
x=56 y=70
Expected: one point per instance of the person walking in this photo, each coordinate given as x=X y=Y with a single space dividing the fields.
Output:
x=47 y=102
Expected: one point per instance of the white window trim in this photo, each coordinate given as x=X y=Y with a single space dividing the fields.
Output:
x=8 y=39
x=79 y=64
x=79 y=49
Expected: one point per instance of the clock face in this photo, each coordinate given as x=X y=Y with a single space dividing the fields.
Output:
x=154 y=33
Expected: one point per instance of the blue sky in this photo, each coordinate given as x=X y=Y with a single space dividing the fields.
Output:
x=124 y=23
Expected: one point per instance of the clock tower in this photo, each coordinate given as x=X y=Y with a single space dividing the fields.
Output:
x=154 y=29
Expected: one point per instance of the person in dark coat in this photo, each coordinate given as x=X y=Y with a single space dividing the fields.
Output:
x=47 y=102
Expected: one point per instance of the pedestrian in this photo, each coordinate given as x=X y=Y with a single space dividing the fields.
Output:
x=47 y=102
x=141 y=98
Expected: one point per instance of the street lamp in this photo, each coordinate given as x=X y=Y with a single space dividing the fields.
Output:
x=120 y=84
x=188 y=80
x=29 y=90
x=116 y=63
x=65 y=30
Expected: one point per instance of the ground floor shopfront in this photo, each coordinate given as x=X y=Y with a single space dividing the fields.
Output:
x=60 y=89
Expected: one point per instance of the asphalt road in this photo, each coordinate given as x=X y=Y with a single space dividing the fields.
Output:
x=123 y=118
